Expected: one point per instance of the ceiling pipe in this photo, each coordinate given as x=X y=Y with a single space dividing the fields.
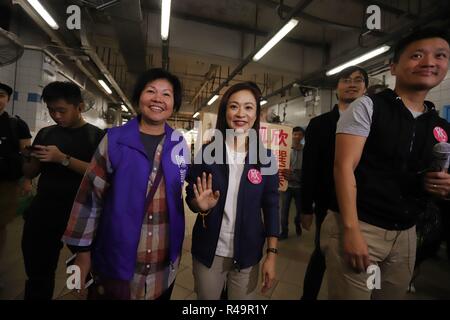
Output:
x=383 y=6
x=127 y=21
x=236 y=27
x=305 y=16
x=48 y=53
x=58 y=40
x=430 y=16
x=209 y=75
x=90 y=52
x=298 y=8
x=165 y=54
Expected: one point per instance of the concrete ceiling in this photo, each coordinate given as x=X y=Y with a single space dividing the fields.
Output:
x=210 y=38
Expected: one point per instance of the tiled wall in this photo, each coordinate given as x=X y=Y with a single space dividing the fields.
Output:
x=28 y=76
x=440 y=95
x=24 y=77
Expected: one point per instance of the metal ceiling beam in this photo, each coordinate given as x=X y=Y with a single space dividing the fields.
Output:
x=439 y=13
x=59 y=41
x=208 y=77
x=388 y=8
x=126 y=19
x=305 y=16
x=165 y=54
x=298 y=8
x=89 y=51
x=236 y=27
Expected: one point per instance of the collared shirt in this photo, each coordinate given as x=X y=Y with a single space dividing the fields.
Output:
x=153 y=272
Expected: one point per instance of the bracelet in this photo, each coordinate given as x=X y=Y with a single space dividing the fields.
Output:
x=273 y=250
x=203 y=215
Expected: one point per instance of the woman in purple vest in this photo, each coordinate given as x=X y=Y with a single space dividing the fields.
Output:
x=127 y=222
x=234 y=187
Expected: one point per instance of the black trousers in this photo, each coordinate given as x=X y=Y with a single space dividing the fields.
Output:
x=41 y=246
x=316 y=266
x=166 y=294
x=286 y=198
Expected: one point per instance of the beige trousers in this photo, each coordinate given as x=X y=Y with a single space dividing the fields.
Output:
x=209 y=282
x=392 y=252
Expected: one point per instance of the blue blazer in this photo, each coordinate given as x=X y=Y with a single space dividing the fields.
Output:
x=252 y=226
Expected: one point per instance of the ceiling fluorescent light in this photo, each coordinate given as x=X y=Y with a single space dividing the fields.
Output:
x=276 y=38
x=124 y=108
x=211 y=101
x=44 y=13
x=165 y=18
x=369 y=55
x=105 y=86
x=263 y=102
x=196 y=114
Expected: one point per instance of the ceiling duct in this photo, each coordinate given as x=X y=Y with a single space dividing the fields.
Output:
x=127 y=20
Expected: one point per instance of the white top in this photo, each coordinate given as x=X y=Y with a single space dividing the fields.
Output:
x=225 y=245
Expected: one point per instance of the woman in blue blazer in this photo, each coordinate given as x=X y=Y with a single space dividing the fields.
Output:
x=233 y=185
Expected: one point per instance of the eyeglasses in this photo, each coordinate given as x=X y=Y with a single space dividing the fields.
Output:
x=350 y=80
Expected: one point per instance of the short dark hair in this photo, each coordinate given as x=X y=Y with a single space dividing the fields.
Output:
x=348 y=71
x=155 y=74
x=222 y=124
x=417 y=35
x=297 y=129
x=7 y=89
x=67 y=91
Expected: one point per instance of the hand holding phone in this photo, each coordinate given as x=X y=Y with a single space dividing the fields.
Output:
x=28 y=151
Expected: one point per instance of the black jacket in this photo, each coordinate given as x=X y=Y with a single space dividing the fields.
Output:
x=318 y=160
x=257 y=215
x=397 y=152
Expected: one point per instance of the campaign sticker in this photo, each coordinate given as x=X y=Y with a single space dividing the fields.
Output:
x=254 y=176
x=440 y=134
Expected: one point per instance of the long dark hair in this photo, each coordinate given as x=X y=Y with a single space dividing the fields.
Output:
x=222 y=124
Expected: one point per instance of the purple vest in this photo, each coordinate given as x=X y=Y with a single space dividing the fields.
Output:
x=115 y=246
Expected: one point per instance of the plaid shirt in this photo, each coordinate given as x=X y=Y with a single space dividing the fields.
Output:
x=153 y=274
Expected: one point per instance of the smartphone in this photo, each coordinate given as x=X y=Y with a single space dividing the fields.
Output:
x=31 y=148
x=89 y=278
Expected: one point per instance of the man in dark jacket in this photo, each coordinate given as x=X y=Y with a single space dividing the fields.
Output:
x=14 y=137
x=317 y=173
x=382 y=174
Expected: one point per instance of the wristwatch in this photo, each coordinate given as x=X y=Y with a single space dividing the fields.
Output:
x=66 y=161
x=273 y=250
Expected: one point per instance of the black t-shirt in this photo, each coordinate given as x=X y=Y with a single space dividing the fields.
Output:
x=9 y=141
x=150 y=143
x=6 y=136
x=58 y=185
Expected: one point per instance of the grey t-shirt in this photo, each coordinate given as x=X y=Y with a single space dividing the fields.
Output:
x=357 y=119
x=296 y=165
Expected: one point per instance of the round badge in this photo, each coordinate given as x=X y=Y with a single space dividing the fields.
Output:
x=440 y=134
x=254 y=176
